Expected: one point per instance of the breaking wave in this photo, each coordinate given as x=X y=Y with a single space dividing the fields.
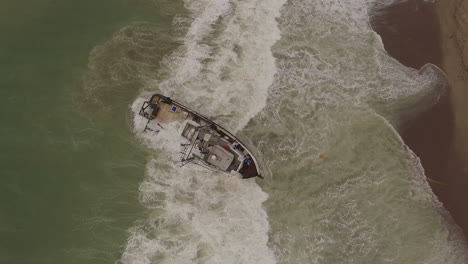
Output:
x=311 y=84
x=225 y=65
x=224 y=61
x=345 y=188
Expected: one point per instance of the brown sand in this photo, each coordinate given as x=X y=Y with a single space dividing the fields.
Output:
x=411 y=34
x=453 y=18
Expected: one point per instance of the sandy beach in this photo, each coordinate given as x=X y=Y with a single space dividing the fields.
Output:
x=415 y=33
x=453 y=18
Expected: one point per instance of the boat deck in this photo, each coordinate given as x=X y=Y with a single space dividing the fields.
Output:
x=218 y=147
x=169 y=113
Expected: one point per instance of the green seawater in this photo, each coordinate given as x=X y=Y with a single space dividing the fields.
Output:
x=69 y=170
x=320 y=100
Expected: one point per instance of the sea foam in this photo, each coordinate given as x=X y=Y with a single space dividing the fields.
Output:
x=344 y=188
x=349 y=189
x=222 y=69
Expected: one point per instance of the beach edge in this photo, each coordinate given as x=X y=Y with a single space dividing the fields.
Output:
x=453 y=26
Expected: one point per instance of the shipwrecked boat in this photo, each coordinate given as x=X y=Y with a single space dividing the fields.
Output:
x=209 y=144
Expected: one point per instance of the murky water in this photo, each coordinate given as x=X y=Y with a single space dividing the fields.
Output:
x=307 y=82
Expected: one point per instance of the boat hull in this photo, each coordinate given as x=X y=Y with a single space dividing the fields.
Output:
x=211 y=145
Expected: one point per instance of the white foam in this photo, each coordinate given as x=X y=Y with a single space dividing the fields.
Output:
x=334 y=86
x=332 y=77
x=225 y=66
x=199 y=217
x=166 y=138
x=341 y=60
x=223 y=70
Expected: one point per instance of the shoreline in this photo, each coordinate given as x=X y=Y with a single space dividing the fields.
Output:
x=415 y=33
x=453 y=21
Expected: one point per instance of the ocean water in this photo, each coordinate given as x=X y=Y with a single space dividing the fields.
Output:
x=69 y=168
x=307 y=83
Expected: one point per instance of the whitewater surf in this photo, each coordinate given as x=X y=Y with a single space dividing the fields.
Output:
x=323 y=103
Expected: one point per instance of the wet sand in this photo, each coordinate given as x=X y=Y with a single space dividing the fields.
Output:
x=412 y=34
x=453 y=18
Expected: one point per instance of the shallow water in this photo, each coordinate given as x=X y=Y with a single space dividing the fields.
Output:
x=332 y=90
x=308 y=83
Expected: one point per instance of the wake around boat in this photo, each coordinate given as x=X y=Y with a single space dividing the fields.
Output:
x=209 y=144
